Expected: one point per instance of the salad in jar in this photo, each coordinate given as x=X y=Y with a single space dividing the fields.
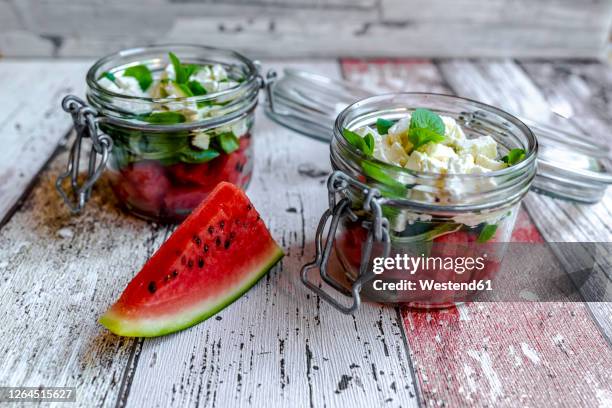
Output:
x=449 y=187
x=178 y=128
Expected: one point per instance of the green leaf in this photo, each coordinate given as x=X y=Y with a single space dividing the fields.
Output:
x=369 y=144
x=196 y=88
x=198 y=156
x=229 y=143
x=186 y=91
x=425 y=127
x=486 y=233
x=179 y=70
x=108 y=75
x=390 y=186
x=166 y=118
x=142 y=74
x=514 y=156
x=426 y=119
x=365 y=144
x=190 y=69
x=383 y=125
x=421 y=136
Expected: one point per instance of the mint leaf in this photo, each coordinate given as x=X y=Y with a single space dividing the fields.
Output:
x=369 y=144
x=389 y=185
x=179 y=70
x=486 y=233
x=108 y=75
x=514 y=156
x=229 y=142
x=198 y=156
x=166 y=118
x=421 y=136
x=366 y=145
x=142 y=74
x=196 y=88
x=186 y=91
x=383 y=125
x=426 y=119
x=425 y=127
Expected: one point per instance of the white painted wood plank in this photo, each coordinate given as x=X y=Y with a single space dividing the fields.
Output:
x=32 y=121
x=58 y=273
x=321 y=28
x=279 y=345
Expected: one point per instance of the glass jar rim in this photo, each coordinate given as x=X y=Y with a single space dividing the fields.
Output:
x=505 y=185
x=93 y=84
x=530 y=156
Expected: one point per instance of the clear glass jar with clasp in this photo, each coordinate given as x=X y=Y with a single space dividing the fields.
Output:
x=377 y=210
x=164 y=154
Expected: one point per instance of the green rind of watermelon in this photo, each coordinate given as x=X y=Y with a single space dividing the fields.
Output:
x=119 y=325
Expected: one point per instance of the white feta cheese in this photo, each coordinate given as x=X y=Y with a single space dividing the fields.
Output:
x=461 y=164
x=484 y=145
x=438 y=151
x=452 y=131
x=201 y=139
x=400 y=127
x=487 y=163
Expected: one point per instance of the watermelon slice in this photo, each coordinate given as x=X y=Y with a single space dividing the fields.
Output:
x=218 y=253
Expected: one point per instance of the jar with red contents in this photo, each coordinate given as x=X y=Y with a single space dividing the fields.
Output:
x=161 y=162
x=458 y=225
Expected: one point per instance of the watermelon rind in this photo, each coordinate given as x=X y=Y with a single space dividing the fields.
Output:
x=170 y=323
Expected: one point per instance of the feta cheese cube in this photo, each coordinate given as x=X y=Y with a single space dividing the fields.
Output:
x=400 y=127
x=452 y=131
x=461 y=164
x=438 y=151
x=485 y=162
x=484 y=145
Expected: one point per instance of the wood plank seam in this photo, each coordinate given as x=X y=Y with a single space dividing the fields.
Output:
x=27 y=191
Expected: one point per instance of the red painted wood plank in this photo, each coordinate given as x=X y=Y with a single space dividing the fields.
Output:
x=503 y=354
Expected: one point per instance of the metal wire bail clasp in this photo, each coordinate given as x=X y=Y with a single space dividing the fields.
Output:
x=85 y=121
x=378 y=231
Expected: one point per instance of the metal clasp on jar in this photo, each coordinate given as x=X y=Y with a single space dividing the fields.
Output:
x=377 y=228
x=85 y=120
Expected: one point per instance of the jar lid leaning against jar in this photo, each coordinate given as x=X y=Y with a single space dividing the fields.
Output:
x=395 y=194
x=169 y=122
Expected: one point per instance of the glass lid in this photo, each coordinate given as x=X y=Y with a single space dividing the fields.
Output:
x=570 y=165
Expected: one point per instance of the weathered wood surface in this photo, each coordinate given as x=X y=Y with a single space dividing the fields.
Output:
x=311 y=28
x=31 y=120
x=498 y=354
x=277 y=345
x=506 y=84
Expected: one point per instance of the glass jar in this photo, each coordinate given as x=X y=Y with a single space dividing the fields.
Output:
x=381 y=210
x=162 y=166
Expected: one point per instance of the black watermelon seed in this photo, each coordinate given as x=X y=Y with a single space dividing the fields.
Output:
x=197 y=240
x=175 y=273
x=152 y=288
x=211 y=230
x=205 y=247
x=221 y=225
x=258 y=217
x=190 y=263
x=227 y=244
x=218 y=241
x=249 y=207
x=201 y=262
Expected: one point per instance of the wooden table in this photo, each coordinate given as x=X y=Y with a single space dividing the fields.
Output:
x=279 y=345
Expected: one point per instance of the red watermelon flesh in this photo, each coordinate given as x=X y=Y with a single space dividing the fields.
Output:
x=220 y=251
